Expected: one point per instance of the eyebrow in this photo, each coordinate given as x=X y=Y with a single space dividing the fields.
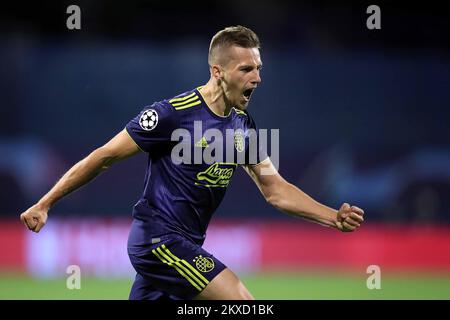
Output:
x=250 y=66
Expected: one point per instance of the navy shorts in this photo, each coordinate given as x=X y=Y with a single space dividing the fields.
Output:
x=172 y=268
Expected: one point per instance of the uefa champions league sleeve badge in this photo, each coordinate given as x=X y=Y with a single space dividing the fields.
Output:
x=149 y=119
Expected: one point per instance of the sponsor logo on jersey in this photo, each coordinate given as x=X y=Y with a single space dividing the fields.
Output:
x=217 y=175
x=202 y=143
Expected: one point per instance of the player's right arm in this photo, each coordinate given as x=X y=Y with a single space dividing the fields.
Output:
x=120 y=147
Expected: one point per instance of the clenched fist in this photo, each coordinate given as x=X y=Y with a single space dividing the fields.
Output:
x=349 y=218
x=35 y=217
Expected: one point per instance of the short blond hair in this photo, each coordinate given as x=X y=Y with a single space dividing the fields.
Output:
x=237 y=35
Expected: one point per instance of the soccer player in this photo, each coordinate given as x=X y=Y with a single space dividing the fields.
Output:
x=178 y=200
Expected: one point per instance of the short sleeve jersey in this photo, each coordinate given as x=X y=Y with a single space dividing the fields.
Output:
x=192 y=155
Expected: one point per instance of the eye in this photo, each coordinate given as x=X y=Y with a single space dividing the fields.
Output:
x=247 y=69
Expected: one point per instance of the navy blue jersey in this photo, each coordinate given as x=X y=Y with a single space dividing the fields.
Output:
x=181 y=197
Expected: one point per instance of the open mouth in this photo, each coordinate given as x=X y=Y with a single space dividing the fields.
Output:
x=247 y=93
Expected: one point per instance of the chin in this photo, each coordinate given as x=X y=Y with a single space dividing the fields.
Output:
x=242 y=107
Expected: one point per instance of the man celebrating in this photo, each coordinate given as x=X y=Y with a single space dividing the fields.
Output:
x=179 y=197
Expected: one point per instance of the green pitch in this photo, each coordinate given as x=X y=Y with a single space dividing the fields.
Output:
x=305 y=285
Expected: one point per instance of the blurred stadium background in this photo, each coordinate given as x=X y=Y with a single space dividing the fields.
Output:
x=363 y=118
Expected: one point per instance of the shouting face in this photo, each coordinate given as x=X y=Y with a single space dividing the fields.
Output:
x=239 y=75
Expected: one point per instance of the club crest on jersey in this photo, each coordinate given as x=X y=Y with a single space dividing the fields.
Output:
x=204 y=264
x=239 y=142
x=148 y=119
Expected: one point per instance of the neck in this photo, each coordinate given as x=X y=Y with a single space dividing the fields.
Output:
x=215 y=98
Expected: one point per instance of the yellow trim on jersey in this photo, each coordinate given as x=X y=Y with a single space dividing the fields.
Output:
x=188 y=106
x=182 y=98
x=186 y=263
x=239 y=112
x=126 y=130
x=185 y=102
x=177 y=267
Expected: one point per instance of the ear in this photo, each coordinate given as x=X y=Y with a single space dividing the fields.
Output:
x=216 y=72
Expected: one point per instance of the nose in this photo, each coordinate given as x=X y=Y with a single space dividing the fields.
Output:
x=257 y=79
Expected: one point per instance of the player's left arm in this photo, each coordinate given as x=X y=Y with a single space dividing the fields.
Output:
x=290 y=199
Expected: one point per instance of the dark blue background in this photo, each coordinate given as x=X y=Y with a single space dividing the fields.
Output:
x=363 y=115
